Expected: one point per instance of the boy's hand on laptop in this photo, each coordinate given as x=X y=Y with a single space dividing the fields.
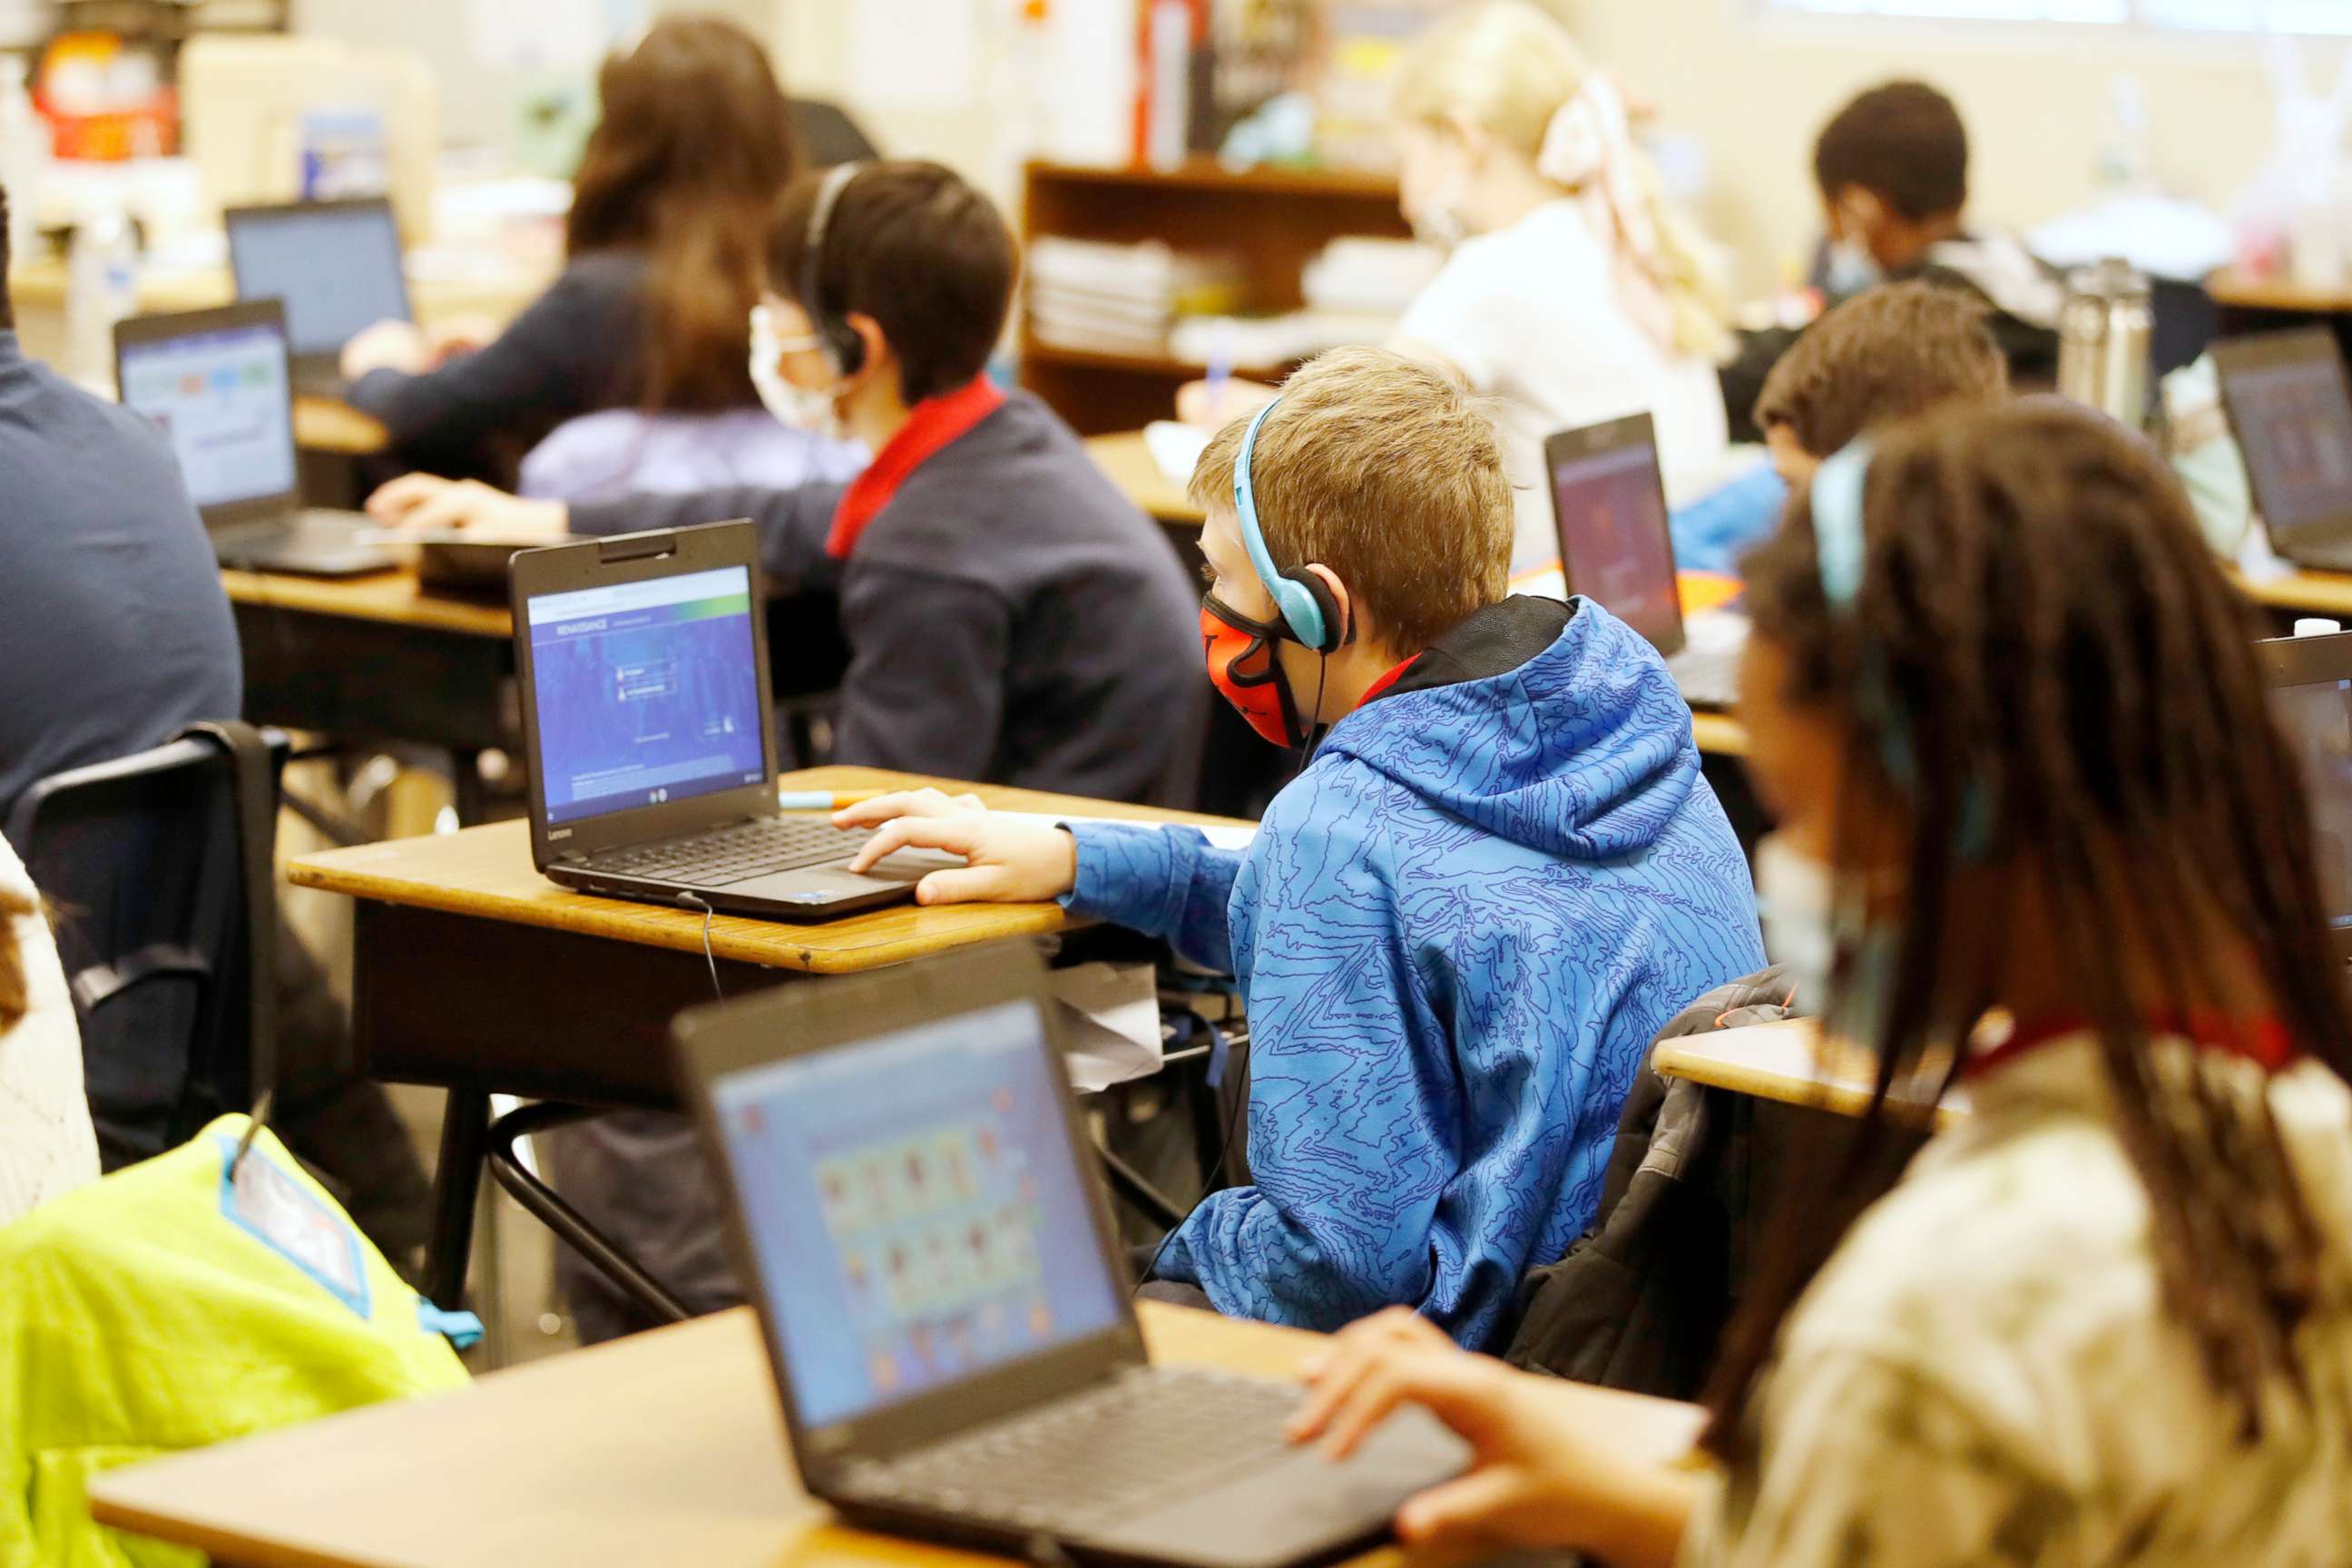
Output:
x=1008 y=861
x=425 y=503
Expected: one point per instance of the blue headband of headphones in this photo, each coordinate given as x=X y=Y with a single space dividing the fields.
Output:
x=1839 y=551
x=1300 y=611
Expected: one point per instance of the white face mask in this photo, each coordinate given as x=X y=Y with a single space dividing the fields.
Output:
x=800 y=407
x=1797 y=897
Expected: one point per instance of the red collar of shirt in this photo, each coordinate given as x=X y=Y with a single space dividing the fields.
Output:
x=1380 y=688
x=933 y=423
x=2262 y=1041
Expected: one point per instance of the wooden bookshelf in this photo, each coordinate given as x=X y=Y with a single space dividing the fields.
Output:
x=1275 y=219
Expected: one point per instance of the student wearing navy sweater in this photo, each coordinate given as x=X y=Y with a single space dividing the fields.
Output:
x=1010 y=617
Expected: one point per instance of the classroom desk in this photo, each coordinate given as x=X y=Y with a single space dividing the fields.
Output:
x=473 y=972
x=1130 y=464
x=2300 y=593
x=328 y=424
x=666 y=1447
x=378 y=658
x=1788 y=1064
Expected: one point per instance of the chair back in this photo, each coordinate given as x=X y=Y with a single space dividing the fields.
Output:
x=149 y=866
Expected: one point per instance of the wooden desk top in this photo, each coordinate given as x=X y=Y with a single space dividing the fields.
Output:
x=2301 y=592
x=1130 y=464
x=2227 y=288
x=392 y=596
x=328 y=425
x=486 y=872
x=1790 y=1064
x=667 y=1447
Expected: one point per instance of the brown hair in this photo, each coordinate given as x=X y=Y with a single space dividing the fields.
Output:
x=2045 y=665
x=694 y=141
x=15 y=994
x=1384 y=470
x=1903 y=143
x=914 y=247
x=1895 y=351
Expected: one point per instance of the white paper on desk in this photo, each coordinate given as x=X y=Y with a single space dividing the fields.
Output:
x=1176 y=449
x=1219 y=837
x=1111 y=1023
x=914 y=54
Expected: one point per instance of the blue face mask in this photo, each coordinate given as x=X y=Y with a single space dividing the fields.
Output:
x=1851 y=269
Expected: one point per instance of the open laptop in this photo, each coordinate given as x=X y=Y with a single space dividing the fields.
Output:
x=217 y=383
x=910 y=1201
x=1608 y=502
x=643 y=661
x=2292 y=409
x=2311 y=692
x=337 y=266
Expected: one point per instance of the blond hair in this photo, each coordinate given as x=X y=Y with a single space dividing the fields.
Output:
x=1384 y=469
x=15 y=997
x=1510 y=67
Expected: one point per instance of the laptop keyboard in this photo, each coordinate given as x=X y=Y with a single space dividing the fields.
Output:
x=737 y=854
x=1708 y=676
x=1146 y=1437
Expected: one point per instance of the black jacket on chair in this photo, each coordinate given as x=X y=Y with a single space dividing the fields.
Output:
x=1641 y=1301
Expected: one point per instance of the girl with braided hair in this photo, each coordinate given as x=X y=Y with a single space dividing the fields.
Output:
x=2040 y=841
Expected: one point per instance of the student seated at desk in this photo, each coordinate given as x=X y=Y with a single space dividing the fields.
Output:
x=1574 y=291
x=1011 y=617
x=668 y=211
x=2037 y=827
x=1459 y=927
x=1892 y=168
x=1882 y=357
x=46 y=1146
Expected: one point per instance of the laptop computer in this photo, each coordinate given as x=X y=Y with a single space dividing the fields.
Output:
x=1608 y=502
x=217 y=383
x=2310 y=691
x=2292 y=409
x=643 y=661
x=337 y=266
x=910 y=1198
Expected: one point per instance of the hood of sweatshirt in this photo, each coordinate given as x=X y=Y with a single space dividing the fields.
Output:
x=1553 y=725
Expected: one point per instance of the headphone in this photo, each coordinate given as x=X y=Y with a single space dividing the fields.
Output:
x=840 y=339
x=1306 y=605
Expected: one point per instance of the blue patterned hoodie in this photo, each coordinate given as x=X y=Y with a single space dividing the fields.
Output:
x=1457 y=933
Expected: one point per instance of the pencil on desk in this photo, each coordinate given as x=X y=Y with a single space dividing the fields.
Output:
x=824 y=799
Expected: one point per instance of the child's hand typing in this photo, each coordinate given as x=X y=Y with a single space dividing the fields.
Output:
x=1008 y=861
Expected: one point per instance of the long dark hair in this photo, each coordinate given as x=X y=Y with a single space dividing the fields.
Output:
x=694 y=146
x=2045 y=667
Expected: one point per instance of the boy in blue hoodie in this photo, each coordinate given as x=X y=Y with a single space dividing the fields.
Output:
x=1458 y=929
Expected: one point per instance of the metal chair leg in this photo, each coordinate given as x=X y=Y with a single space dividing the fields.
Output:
x=572 y=1227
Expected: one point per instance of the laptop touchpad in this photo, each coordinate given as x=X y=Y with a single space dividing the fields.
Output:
x=896 y=870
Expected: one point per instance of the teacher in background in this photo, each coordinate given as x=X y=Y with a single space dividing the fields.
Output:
x=669 y=210
x=1574 y=291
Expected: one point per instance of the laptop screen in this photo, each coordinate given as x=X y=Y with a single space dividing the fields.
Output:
x=1610 y=507
x=645 y=692
x=915 y=1209
x=2317 y=718
x=222 y=399
x=2295 y=425
x=336 y=266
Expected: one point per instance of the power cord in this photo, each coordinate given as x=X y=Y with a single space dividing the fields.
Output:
x=1208 y=1184
x=688 y=901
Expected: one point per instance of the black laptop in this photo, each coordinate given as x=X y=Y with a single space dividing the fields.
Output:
x=2310 y=691
x=643 y=661
x=911 y=1206
x=2292 y=410
x=216 y=382
x=1616 y=547
x=337 y=266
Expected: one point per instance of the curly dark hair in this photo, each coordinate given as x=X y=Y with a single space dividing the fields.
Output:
x=1903 y=143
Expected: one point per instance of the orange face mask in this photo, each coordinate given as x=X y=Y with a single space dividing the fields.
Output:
x=1243 y=668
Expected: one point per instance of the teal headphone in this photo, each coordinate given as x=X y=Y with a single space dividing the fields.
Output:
x=1839 y=551
x=1305 y=605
